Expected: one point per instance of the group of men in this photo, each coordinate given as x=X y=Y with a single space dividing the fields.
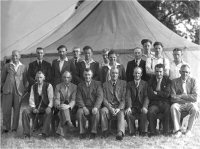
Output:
x=96 y=94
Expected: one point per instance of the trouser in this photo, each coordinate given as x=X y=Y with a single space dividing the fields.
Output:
x=11 y=100
x=154 y=109
x=28 y=114
x=142 y=119
x=106 y=116
x=177 y=109
x=93 y=121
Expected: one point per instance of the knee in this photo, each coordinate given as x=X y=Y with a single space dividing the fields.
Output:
x=194 y=110
x=26 y=112
x=79 y=113
x=103 y=111
x=174 y=107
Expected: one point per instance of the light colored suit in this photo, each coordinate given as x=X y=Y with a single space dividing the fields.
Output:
x=110 y=102
x=14 y=84
x=183 y=102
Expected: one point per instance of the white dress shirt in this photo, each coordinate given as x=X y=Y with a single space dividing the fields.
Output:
x=87 y=64
x=174 y=70
x=61 y=63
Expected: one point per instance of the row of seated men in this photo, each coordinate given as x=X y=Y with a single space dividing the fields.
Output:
x=14 y=79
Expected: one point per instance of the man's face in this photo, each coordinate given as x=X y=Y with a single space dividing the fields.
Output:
x=105 y=56
x=114 y=74
x=185 y=72
x=137 y=74
x=15 y=57
x=159 y=72
x=87 y=76
x=62 y=53
x=76 y=53
x=147 y=46
x=66 y=78
x=112 y=58
x=158 y=49
x=138 y=54
x=88 y=54
x=40 y=78
x=177 y=56
x=40 y=54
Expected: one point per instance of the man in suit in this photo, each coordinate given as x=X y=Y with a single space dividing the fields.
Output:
x=114 y=101
x=13 y=84
x=137 y=62
x=40 y=102
x=89 y=63
x=60 y=65
x=184 y=98
x=89 y=98
x=137 y=103
x=39 y=65
x=159 y=97
x=74 y=64
x=65 y=95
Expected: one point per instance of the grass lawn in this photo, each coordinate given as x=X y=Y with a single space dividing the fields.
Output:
x=12 y=140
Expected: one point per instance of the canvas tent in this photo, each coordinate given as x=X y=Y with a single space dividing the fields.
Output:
x=113 y=24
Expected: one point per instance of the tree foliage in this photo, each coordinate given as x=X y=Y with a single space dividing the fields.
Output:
x=180 y=16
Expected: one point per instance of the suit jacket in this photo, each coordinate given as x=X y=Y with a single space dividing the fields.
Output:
x=177 y=90
x=130 y=68
x=73 y=67
x=142 y=94
x=56 y=73
x=10 y=78
x=63 y=96
x=93 y=66
x=105 y=69
x=120 y=93
x=34 y=68
x=163 y=94
x=92 y=98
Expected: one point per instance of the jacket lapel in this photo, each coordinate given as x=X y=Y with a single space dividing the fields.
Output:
x=110 y=86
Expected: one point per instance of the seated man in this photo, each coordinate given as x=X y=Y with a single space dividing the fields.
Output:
x=159 y=93
x=89 y=99
x=184 y=98
x=137 y=103
x=65 y=94
x=40 y=102
x=114 y=101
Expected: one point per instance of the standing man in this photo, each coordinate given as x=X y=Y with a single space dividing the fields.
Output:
x=114 y=101
x=137 y=103
x=65 y=95
x=137 y=62
x=105 y=62
x=88 y=63
x=159 y=93
x=39 y=65
x=60 y=65
x=176 y=64
x=147 y=46
x=89 y=98
x=184 y=98
x=74 y=64
x=13 y=83
x=40 y=102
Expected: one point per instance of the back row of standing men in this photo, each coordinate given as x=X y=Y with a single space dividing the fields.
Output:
x=117 y=96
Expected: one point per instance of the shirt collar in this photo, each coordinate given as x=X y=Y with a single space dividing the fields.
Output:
x=15 y=64
x=66 y=59
x=138 y=60
x=117 y=64
x=104 y=64
x=39 y=61
x=91 y=61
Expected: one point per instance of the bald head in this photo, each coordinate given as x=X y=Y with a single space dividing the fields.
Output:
x=15 y=56
x=66 y=77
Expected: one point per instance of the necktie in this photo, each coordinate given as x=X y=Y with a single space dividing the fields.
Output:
x=137 y=62
x=114 y=88
x=40 y=65
x=158 y=85
x=184 y=87
x=75 y=61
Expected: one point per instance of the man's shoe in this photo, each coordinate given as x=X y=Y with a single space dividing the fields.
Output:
x=144 y=134
x=178 y=134
x=83 y=136
x=105 y=134
x=92 y=136
x=26 y=136
x=132 y=134
x=42 y=136
x=119 y=136
x=152 y=134
x=4 y=131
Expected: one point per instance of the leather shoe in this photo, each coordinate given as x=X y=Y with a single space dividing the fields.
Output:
x=92 y=136
x=119 y=136
x=83 y=136
x=105 y=134
x=4 y=131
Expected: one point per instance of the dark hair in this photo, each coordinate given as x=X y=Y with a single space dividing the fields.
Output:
x=39 y=48
x=87 y=48
x=145 y=41
x=158 y=43
x=178 y=49
x=111 y=52
x=159 y=66
x=62 y=46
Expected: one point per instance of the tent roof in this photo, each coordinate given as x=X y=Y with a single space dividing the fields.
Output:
x=112 y=24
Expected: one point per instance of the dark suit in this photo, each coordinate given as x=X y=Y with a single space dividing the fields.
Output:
x=159 y=103
x=34 y=68
x=93 y=66
x=113 y=99
x=73 y=67
x=136 y=98
x=130 y=68
x=89 y=97
x=105 y=69
x=56 y=73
